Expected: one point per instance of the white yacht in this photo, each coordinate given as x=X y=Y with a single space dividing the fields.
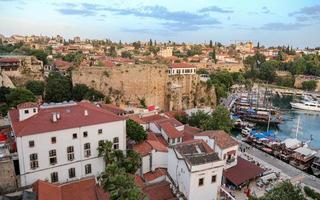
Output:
x=306 y=105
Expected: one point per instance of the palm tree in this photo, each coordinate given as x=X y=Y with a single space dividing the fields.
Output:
x=106 y=151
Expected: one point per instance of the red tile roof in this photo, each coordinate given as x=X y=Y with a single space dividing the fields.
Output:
x=9 y=60
x=152 y=175
x=78 y=190
x=137 y=119
x=27 y=105
x=152 y=118
x=242 y=172
x=182 y=65
x=159 y=191
x=145 y=147
x=138 y=181
x=72 y=116
x=113 y=108
x=172 y=121
x=189 y=132
x=170 y=130
x=62 y=65
x=173 y=114
x=221 y=138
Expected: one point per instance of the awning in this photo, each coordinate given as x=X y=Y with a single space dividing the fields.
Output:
x=242 y=172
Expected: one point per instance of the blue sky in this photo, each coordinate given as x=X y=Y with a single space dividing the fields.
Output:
x=272 y=22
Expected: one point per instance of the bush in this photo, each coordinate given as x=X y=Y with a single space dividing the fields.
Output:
x=309 y=85
x=311 y=193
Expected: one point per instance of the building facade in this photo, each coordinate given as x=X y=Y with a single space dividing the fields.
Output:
x=58 y=143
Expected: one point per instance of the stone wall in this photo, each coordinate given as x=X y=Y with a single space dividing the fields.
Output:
x=128 y=84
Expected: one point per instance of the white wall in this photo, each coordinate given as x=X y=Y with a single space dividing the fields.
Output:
x=31 y=112
x=64 y=139
x=159 y=159
x=145 y=167
x=154 y=128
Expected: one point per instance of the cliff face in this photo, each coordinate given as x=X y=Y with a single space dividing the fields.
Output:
x=132 y=84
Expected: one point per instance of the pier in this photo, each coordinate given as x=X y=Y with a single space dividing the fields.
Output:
x=291 y=172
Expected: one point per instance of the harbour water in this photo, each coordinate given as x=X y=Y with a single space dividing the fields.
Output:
x=309 y=123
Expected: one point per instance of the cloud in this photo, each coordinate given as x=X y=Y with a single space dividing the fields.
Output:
x=265 y=10
x=215 y=9
x=307 y=11
x=174 y=20
x=278 y=26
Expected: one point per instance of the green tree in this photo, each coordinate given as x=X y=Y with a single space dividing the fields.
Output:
x=105 y=150
x=131 y=162
x=197 y=118
x=309 y=85
x=119 y=184
x=283 y=191
x=267 y=72
x=40 y=55
x=3 y=92
x=58 y=88
x=36 y=87
x=93 y=95
x=112 y=51
x=135 y=131
x=126 y=54
x=218 y=120
x=79 y=91
x=19 y=95
x=213 y=55
x=210 y=44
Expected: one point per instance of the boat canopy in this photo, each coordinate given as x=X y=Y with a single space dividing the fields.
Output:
x=251 y=110
x=292 y=143
x=306 y=151
x=263 y=135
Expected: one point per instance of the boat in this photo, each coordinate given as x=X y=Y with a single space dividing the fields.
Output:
x=303 y=157
x=315 y=166
x=307 y=103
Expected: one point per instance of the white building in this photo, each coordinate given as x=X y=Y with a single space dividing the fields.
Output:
x=181 y=69
x=165 y=52
x=59 y=142
x=196 y=170
x=224 y=145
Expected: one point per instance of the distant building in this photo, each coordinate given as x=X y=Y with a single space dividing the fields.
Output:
x=165 y=52
x=181 y=69
x=58 y=142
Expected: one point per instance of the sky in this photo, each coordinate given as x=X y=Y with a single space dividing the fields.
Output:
x=271 y=22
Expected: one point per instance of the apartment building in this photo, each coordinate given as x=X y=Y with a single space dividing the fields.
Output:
x=58 y=142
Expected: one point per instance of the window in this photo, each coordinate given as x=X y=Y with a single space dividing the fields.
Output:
x=100 y=143
x=74 y=136
x=70 y=153
x=100 y=131
x=85 y=134
x=31 y=143
x=34 y=110
x=53 y=157
x=213 y=178
x=201 y=181
x=34 y=161
x=53 y=140
x=178 y=139
x=87 y=168
x=87 y=151
x=116 y=143
x=72 y=172
x=54 y=177
x=26 y=111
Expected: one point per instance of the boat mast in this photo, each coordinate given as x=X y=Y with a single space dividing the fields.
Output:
x=298 y=125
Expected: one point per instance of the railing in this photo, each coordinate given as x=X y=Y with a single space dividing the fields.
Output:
x=227 y=195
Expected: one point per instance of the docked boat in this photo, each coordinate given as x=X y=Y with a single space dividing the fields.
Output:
x=303 y=157
x=315 y=167
x=307 y=103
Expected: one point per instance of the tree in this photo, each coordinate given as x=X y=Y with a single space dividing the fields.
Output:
x=119 y=184
x=36 y=87
x=40 y=55
x=267 y=72
x=283 y=191
x=197 y=118
x=58 y=88
x=218 y=120
x=126 y=54
x=150 y=42
x=105 y=150
x=309 y=85
x=112 y=51
x=19 y=95
x=213 y=55
x=135 y=131
x=131 y=162
x=79 y=91
x=93 y=95
x=3 y=92
x=210 y=44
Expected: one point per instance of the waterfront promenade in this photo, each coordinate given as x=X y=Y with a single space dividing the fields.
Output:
x=279 y=166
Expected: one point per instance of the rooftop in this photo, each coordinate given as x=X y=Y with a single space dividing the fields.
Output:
x=170 y=130
x=196 y=152
x=221 y=138
x=159 y=191
x=71 y=116
x=182 y=65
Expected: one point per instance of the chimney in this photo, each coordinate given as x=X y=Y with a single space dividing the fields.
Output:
x=86 y=113
x=54 y=117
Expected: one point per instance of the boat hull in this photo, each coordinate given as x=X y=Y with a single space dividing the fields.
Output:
x=302 y=106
